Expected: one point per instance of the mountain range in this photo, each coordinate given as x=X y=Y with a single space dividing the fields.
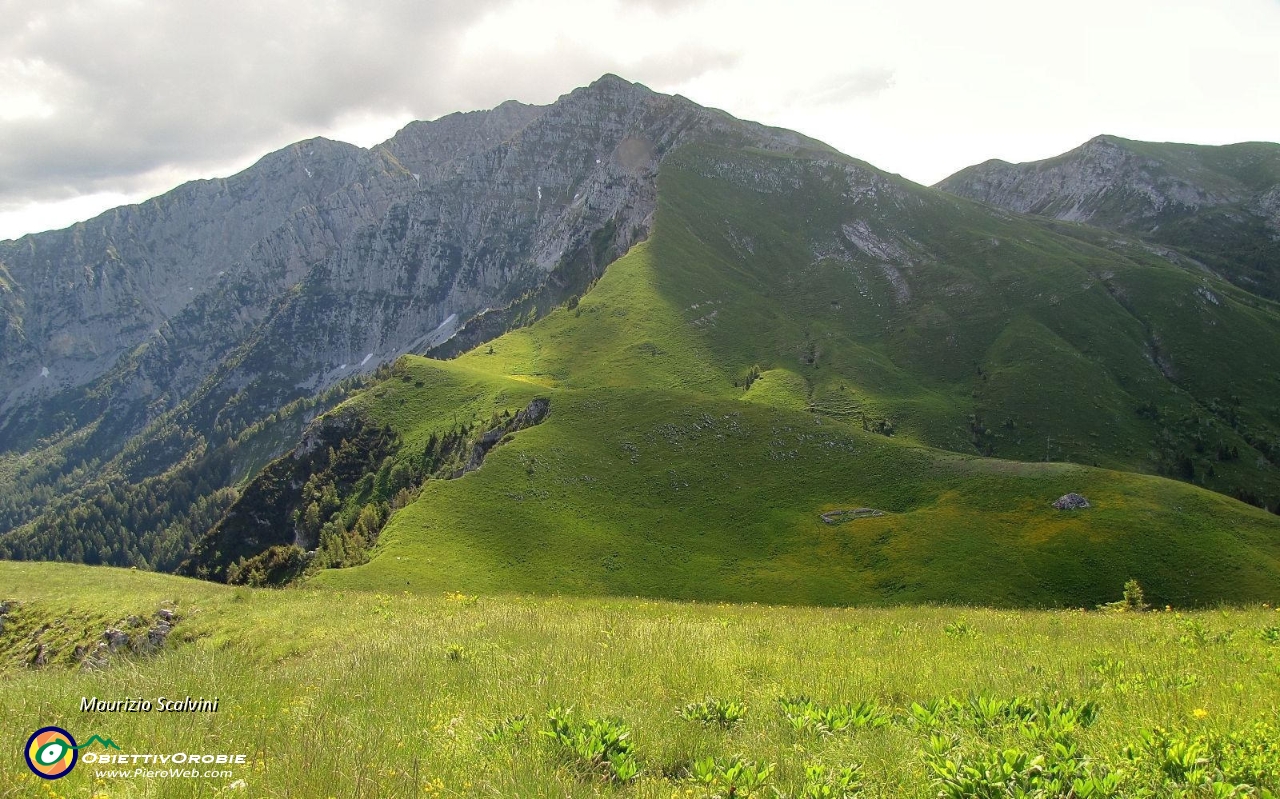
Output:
x=672 y=353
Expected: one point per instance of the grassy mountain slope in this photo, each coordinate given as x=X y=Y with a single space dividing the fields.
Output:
x=657 y=473
x=675 y=495
x=908 y=306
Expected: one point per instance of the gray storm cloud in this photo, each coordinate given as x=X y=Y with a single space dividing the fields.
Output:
x=98 y=94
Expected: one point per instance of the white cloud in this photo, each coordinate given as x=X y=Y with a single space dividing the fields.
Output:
x=20 y=218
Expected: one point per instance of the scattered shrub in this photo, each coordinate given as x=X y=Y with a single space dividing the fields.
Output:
x=602 y=746
x=823 y=783
x=731 y=778
x=1133 y=601
x=805 y=715
x=714 y=712
x=277 y=565
x=508 y=728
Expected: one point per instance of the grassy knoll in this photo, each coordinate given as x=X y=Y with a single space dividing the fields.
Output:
x=363 y=694
x=678 y=496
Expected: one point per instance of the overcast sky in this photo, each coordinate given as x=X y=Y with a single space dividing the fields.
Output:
x=104 y=102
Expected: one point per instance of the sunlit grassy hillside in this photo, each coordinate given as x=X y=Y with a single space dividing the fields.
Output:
x=669 y=494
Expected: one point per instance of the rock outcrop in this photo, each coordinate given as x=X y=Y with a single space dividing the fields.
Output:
x=839 y=516
x=534 y=413
x=1216 y=204
x=1071 y=502
x=32 y=637
x=449 y=218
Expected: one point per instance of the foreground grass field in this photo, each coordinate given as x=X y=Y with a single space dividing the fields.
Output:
x=363 y=694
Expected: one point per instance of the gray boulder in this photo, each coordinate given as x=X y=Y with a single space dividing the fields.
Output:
x=115 y=639
x=1071 y=502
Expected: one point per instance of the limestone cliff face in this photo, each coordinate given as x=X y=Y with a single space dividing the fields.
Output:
x=1103 y=180
x=430 y=150
x=1217 y=204
x=224 y=298
x=76 y=300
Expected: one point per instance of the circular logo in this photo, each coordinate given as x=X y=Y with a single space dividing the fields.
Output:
x=51 y=752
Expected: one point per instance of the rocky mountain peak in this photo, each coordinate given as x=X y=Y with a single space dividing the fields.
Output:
x=610 y=94
x=1214 y=202
x=429 y=149
x=1103 y=142
x=611 y=84
x=397 y=247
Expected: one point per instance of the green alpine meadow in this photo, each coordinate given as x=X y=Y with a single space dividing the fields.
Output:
x=688 y=458
x=339 y=692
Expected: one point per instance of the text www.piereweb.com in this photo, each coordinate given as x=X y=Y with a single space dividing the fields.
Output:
x=188 y=773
